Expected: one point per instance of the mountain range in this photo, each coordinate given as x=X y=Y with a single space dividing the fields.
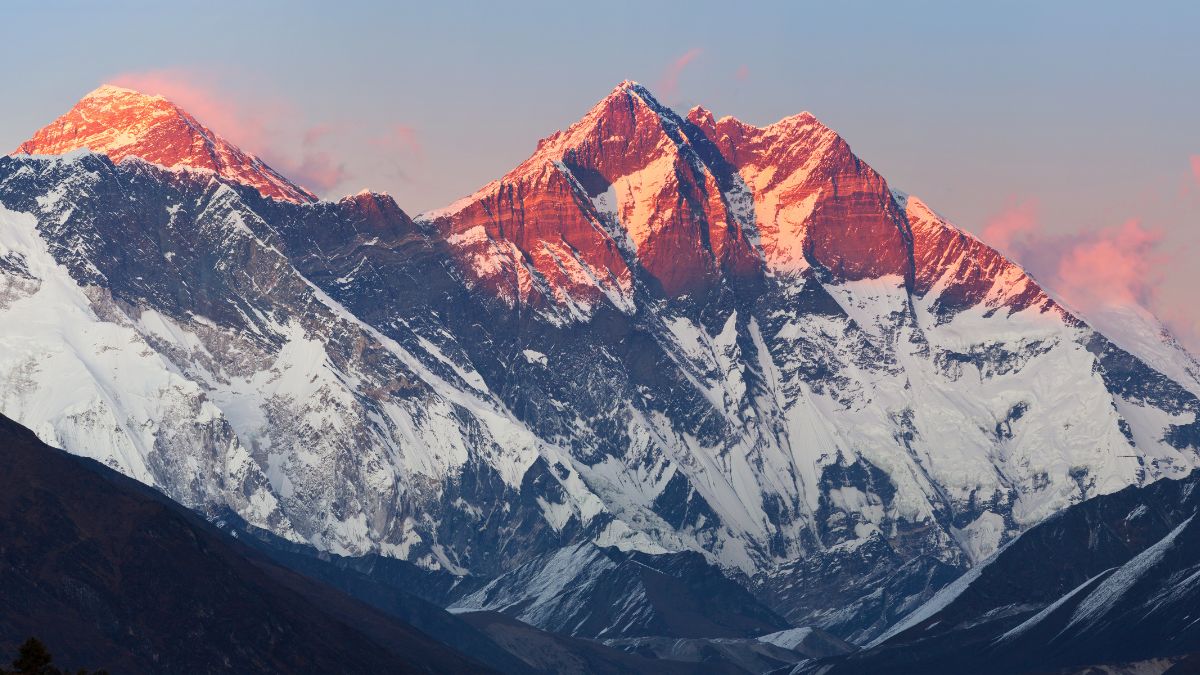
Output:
x=663 y=347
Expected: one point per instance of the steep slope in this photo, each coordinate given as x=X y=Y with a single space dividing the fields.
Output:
x=551 y=653
x=207 y=365
x=110 y=573
x=124 y=123
x=555 y=232
x=659 y=333
x=1109 y=581
x=766 y=654
x=592 y=592
x=366 y=577
x=856 y=588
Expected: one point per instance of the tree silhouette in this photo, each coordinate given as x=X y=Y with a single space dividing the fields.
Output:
x=34 y=659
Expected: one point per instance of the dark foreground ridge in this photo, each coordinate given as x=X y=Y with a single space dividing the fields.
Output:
x=115 y=575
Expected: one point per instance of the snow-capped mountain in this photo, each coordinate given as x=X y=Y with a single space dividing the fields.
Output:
x=658 y=333
x=120 y=123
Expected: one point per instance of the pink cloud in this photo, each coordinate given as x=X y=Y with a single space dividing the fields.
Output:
x=245 y=123
x=403 y=138
x=1089 y=269
x=668 y=86
x=316 y=166
x=743 y=73
x=1016 y=221
x=315 y=133
x=265 y=124
x=401 y=148
x=1196 y=169
x=1117 y=266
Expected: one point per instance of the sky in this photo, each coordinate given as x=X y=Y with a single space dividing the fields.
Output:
x=1065 y=133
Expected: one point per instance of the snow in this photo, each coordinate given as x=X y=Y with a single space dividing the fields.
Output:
x=458 y=205
x=544 y=589
x=1104 y=598
x=533 y=356
x=1102 y=593
x=605 y=203
x=125 y=404
x=1136 y=331
x=792 y=638
x=122 y=123
x=982 y=537
x=1033 y=621
x=940 y=600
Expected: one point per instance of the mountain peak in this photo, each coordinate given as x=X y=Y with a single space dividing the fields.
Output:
x=628 y=91
x=700 y=114
x=112 y=90
x=691 y=201
x=121 y=122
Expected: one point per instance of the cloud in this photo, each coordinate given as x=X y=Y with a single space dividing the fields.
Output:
x=323 y=156
x=403 y=138
x=400 y=148
x=1016 y=221
x=1116 y=266
x=1196 y=169
x=1091 y=270
x=668 y=86
x=314 y=134
x=317 y=167
x=743 y=73
x=244 y=120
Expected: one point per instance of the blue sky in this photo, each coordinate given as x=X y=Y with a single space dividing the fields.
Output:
x=1075 y=116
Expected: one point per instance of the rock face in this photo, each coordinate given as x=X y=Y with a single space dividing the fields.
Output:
x=814 y=203
x=660 y=334
x=123 y=123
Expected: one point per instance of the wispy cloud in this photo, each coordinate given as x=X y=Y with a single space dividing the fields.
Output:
x=1016 y=221
x=321 y=155
x=1114 y=266
x=403 y=138
x=743 y=73
x=1092 y=270
x=668 y=86
x=244 y=123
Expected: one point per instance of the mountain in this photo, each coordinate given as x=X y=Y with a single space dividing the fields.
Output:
x=369 y=578
x=122 y=123
x=604 y=593
x=660 y=334
x=1109 y=582
x=109 y=573
x=855 y=589
x=552 y=653
x=764 y=654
